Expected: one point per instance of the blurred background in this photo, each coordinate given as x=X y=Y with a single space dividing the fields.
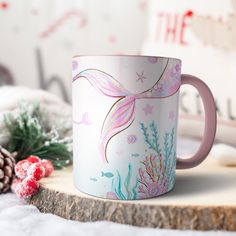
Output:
x=39 y=38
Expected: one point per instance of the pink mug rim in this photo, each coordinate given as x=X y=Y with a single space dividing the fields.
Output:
x=126 y=55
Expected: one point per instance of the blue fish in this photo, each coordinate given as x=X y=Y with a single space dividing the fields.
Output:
x=93 y=179
x=107 y=174
x=135 y=155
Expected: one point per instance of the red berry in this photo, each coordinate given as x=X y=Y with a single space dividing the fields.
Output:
x=36 y=170
x=21 y=168
x=49 y=168
x=33 y=159
x=189 y=13
x=28 y=187
x=15 y=182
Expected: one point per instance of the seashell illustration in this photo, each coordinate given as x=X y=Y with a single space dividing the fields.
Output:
x=132 y=138
x=152 y=60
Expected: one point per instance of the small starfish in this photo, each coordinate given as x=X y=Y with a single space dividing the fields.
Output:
x=171 y=115
x=159 y=88
x=141 y=77
x=148 y=109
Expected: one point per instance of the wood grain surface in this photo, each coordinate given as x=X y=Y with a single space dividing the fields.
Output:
x=204 y=198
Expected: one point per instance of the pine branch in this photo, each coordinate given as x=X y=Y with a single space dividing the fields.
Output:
x=29 y=136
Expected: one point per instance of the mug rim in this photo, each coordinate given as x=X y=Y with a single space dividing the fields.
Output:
x=125 y=55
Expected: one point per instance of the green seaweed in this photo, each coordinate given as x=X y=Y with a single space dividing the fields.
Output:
x=134 y=189
x=118 y=190
x=159 y=168
x=127 y=182
x=123 y=190
x=169 y=157
x=154 y=142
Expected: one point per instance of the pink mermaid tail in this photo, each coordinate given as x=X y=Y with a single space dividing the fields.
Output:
x=122 y=113
x=119 y=118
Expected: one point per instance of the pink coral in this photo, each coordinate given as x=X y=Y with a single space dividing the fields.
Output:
x=152 y=181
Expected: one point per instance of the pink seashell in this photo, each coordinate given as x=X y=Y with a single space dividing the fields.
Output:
x=177 y=67
x=153 y=59
x=132 y=138
x=152 y=189
x=173 y=89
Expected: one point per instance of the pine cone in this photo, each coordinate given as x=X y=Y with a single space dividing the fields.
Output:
x=7 y=164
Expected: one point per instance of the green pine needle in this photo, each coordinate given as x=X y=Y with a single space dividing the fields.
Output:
x=29 y=136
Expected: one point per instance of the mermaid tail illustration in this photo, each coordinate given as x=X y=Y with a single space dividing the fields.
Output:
x=122 y=113
x=103 y=82
x=119 y=118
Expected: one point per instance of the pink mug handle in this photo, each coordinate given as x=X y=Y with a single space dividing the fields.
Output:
x=210 y=123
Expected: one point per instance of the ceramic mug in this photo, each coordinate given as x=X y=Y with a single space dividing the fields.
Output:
x=125 y=113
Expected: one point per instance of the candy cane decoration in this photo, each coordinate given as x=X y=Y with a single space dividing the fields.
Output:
x=61 y=21
x=122 y=113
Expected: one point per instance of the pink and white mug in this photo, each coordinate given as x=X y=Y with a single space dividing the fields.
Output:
x=125 y=113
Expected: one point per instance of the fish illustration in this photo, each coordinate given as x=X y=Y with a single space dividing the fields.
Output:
x=134 y=155
x=107 y=174
x=93 y=179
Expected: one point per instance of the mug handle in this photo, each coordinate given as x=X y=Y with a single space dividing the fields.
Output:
x=210 y=123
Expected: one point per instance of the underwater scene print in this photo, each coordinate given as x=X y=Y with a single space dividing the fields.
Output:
x=122 y=113
x=156 y=174
x=131 y=153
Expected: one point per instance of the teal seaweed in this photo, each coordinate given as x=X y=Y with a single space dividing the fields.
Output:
x=157 y=174
x=153 y=143
x=123 y=190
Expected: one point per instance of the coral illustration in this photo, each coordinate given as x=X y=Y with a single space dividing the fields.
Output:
x=157 y=174
x=123 y=190
x=151 y=177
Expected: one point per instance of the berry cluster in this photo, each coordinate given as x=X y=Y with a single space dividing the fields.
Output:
x=29 y=172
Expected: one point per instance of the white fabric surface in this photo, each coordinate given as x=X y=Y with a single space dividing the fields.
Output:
x=19 y=219
x=50 y=105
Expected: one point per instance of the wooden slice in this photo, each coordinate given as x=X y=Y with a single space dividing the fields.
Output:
x=204 y=198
